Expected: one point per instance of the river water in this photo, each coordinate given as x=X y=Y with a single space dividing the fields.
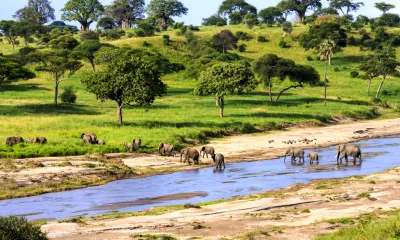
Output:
x=202 y=185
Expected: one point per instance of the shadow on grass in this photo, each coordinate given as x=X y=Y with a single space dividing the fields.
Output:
x=347 y=59
x=28 y=109
x=23 y=87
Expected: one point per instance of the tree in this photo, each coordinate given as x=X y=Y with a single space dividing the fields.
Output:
x=64 y=42
x=6 y=29
x=368 y=65
x=240 y=8
x=271 y=15
x=214 y=20
x=13 y=70
x=345 y=6
x=132 y=78
x=126 y=12
x=287 y=28
x=300 y=7
x=87 y=50
x=162 y=11
x=106 y=23
x=250 y=20
x=84 y=11
x=319 y=33
x=59 y=24
x=60 y=65
x=39 y=11
x=224 y=79
x=326 y=50
x=224 y=41
x=24 y=30
x=384 y=7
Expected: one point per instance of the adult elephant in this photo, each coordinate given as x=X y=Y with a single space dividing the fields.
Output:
x=294 y=153
x=192 y=153
x=344 y=151
x=207 y=150
x=219 y=160
x=166 y=148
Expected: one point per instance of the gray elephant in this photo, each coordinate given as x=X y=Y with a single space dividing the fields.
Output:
x=344 y=151
x=207 y=150
x=184 y=152
x=313 y=156
x=192 y=153
x=101 y=142
x=219 y=160
x=166 y=148
x=294 y=153
x=10 y=141
x=137 y=143
x=87 y=139
x=92 y=136
x=129 y=146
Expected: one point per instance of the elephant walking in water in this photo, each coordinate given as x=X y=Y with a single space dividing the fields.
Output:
x=294 y=153
x=219 y=160
x=313 y=157
x=344 y=151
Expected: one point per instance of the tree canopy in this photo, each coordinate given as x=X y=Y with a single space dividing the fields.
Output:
x=345 y=6
x=87 y=50
x=38 y=11
x=300 y=7
x=384 y=7
x=224 y=41
x=12 y=70
x=214 y=20
x=271 y=15
x=318 y=33
x=162 y=11
x=126 y=12
x=236 y=10
x=84 y=11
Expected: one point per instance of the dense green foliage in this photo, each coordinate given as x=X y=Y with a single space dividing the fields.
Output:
x=162 y=11
x=84 y=11
x=15 y=227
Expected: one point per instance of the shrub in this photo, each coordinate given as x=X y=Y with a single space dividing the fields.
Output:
x=354 y=74
x=113 y=34
x=385 y=92
x=244 y=36
x=336 y=69
x=140 y=33
x=282 y=43
x=166 y=40
x=16 y=227
x=310 y=58
x=131 y=35
x=242 y=48
x=146 y=44
x=262 y=39
x=68 y=95
x=89 y=35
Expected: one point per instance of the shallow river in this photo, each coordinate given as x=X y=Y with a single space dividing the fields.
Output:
x=202 y=185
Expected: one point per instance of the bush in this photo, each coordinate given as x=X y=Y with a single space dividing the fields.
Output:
x=166 y=40
x=385 y=92
x=336 y=69
x=242 y=48
x=243 y=36
x=262 y=39
x=146 y=44
x=140 y=33
x=131 y=35
x=16 y=227
x=89 y=35
x=68 y=95
x=310 y=58
x=354 y=74
x=113 y=34
x=282 y=44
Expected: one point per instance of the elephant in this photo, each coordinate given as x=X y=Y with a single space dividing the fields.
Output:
x=184 y=152
x=313 y=156
x=101 y=142
x=129 y=146
x=137 y=143
x=294 y=153
x=207 y=150
x=219 y=160
x=345 y=151
x=41 y=140
x=32 y=140
x=165 y=148
x=92 y=136
x=10 y=141
x=192 y=153
x=87 y=139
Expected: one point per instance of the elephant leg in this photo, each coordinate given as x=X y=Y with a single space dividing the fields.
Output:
x=206 y=155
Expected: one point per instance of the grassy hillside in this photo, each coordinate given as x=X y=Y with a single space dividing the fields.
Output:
x=26 y=107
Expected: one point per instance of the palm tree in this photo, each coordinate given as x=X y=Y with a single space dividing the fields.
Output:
x=326 y=49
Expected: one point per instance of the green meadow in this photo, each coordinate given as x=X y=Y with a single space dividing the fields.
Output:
x=27 y=110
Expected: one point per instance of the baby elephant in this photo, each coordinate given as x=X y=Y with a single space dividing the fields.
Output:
x=89 y=138
x=101 y=142
x=166 y=148
x=192 y=153
x=313 y=157
x=10 y=141
x=137 y=143
x=219 y=160
x=129 y=146
x=39 y=140
x=184 y=152
x=207 y=150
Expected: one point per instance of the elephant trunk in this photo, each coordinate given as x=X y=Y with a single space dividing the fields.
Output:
x=337 y=156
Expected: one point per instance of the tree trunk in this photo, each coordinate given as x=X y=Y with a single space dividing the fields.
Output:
x=119 y=113
x=330 y=60
x=369 y=85
x=216 y=100
x=26 y=44
x=380 y=86
x=12 y=43
x=270 y=89
x=56 y=94
x=85 y=27
x=286 y=89
x=93 y=65
x=221 y=107
x=301 y=16
x=326 y=69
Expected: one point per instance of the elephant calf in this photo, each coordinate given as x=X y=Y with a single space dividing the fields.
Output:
x=206 y=150
x=345 y=151
x=166 y=148
x=129 y=146
x=294 y=153
x=219 y=160
x=192 y=153
x=313 y=157
x=184 y=152
x=10 y=141
x=137 y=143
x=101 y=142
x=89 y=138
x=39 y=140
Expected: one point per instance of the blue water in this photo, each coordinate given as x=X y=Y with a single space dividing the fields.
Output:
x=237 y=179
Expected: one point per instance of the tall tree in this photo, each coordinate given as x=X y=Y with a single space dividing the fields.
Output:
x=162 y=11
x=236 y=10
x=224 y=79
x=300 y=7
x=13 y=70
x=385 y=63
x=7 y=29
x=59 y=64
x=84 y=11
x=326 y=50
x=224 y=41
x=126 y=12
x=266 y=68
x=345 y=6
x=271 y=15
x=24 y=30
x=87 y=50
x=369 y=66
x=131 y=78
x=39 y=11
x=384 y=7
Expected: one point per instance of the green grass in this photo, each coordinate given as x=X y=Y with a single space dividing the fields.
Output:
x=26 y=107
x=152 y=237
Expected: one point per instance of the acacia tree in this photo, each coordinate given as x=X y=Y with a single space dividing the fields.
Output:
x=224 y=41
x=384 y=7
x=369 y=66
x=126 y=12
x=39 y=11
x=87 y=50
x=84 y=11
x=236 y=10
x=162 y=11
x=7 y=29
x=385 y=63
x=345 y=6
x=131 y=78
x=300 y=7
x=326 y=50
x=271 y=15
x=224 y=79
x=59 y=64
x=13 y=70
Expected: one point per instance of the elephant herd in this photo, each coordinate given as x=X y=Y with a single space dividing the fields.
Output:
x=342 y=151
x=188 y=153
x=10 y=141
